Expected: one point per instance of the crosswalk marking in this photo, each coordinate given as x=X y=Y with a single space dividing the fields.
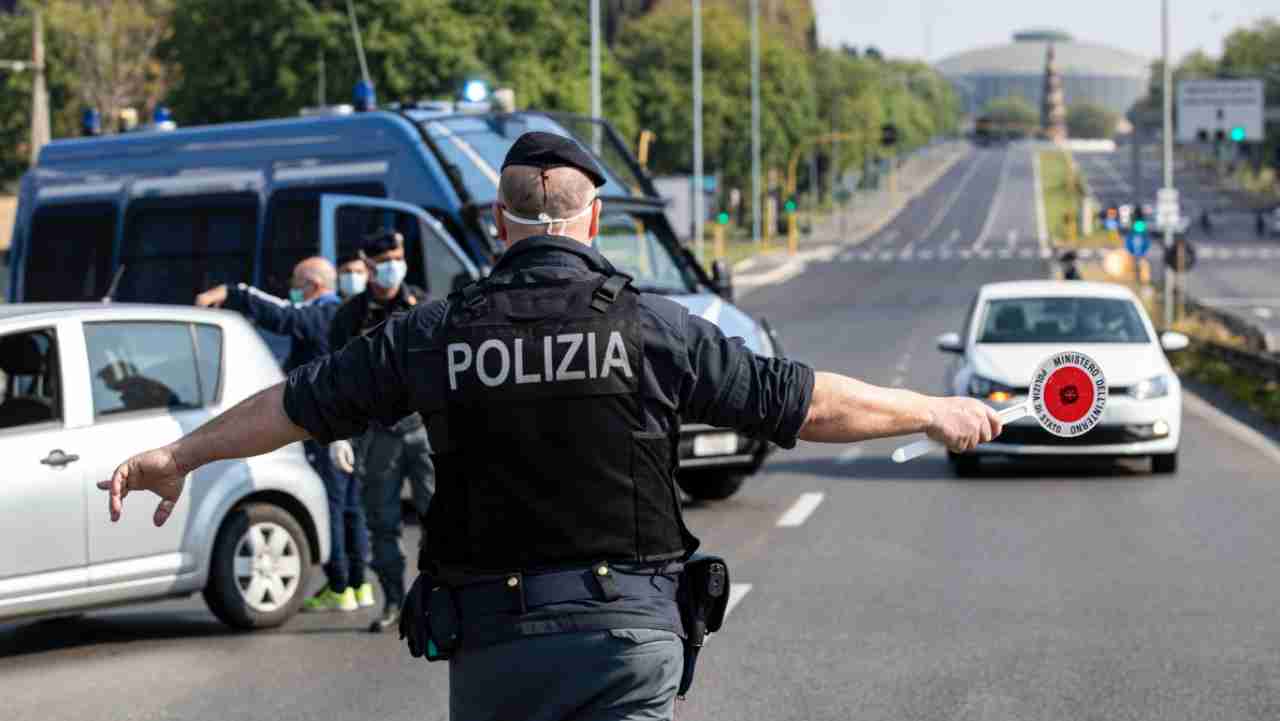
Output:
x=737 y=592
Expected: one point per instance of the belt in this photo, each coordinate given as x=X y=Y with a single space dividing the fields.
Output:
x=517 y=593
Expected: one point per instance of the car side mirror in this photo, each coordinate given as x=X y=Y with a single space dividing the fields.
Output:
x=722 y=280
x=1173 y=341
x=950 y=343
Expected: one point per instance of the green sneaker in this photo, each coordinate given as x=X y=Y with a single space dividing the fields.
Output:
x=364 y=595
x=329 y=600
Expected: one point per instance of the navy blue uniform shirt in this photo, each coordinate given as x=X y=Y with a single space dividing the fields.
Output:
x=306 y=324
x=690 y=367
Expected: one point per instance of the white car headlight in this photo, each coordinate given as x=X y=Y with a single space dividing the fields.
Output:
x=980 y=387
x=1154 y=387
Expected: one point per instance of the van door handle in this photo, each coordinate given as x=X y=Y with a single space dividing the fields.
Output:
x=58 y=459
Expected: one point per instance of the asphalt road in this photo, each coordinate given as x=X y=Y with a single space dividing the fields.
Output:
x=1236 y=268
x=1041 y=592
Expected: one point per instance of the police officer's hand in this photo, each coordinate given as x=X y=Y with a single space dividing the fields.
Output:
x=960 y=424
x=157 y=471
x=343 y=455
x=212 y=298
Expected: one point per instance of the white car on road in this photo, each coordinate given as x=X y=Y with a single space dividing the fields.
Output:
x=1012 y=327
x=83 y=387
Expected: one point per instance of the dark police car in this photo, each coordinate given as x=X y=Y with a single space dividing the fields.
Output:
x=159 y=216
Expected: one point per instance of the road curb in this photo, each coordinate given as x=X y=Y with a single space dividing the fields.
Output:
x=1238 y=429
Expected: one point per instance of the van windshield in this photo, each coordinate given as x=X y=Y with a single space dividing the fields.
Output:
x=634 y=248
x=477 y=144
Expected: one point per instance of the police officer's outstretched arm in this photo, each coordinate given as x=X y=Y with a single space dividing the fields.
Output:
x=331 y=397
x=783 y=400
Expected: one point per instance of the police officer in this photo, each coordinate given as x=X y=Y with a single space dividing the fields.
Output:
x=305 y=320
x=386 y=454
x=554 y=393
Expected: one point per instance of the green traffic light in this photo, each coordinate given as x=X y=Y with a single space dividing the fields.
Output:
x=1139 y=226
x=790 y=206
x=722 y=218
x=1237 y=134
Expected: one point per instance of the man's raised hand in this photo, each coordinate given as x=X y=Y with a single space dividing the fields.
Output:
x=156 y=470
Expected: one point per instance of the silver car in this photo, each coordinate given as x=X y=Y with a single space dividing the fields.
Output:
x=84 y=386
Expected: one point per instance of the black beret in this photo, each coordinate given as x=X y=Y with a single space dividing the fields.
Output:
x=548 y=150
x=380 y=241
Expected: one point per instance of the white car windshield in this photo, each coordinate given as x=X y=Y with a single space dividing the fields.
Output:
x=1062 y=320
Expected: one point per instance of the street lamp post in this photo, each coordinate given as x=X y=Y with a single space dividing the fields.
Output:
x=699 y=213
x=755 y=122
x=1168 y=160
x=596 y=110
x=40 y=133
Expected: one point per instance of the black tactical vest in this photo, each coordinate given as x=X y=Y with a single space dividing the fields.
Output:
x=547 y=461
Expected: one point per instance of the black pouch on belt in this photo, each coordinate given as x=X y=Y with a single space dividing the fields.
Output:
x=703 y=598
x=429 y=620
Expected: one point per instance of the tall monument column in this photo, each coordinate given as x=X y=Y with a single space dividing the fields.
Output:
x=1053 y=107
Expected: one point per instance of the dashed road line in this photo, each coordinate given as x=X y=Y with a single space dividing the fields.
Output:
x=737 y=592
x=800 y=511
x=849 y=455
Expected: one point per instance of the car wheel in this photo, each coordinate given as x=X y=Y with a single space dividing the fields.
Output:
x=261 y=563
x=711 y=486
x=964 y=466
x=1164 y=463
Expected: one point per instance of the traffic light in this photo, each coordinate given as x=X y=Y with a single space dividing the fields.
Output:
x=790 y=205
x=1202 y=135
x=723 y=217
x=888 y=135
x=1237 y=134
x=1140 y=226
x=1219 y=136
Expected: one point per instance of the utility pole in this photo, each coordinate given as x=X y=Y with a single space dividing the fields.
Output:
x=40 y=134
x=1167 y=163
x=756 y=198
x=596 y=111
x=699 y=194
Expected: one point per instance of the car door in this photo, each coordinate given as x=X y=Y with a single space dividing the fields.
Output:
x=43 y=489
x=436 y=263
x=146 y=389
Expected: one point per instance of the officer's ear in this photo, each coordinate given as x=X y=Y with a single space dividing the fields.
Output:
x=500 y=222
x=594 y=230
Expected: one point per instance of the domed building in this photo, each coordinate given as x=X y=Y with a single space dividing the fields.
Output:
x=1110 y=77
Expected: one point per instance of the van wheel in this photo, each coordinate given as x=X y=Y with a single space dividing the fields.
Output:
x=261 y=563
x=711 y=486
x=1164 y=463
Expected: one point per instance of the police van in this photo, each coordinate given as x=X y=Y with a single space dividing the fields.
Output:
x=159 y=216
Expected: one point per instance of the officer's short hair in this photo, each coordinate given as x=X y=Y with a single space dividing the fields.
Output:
x=558 y=192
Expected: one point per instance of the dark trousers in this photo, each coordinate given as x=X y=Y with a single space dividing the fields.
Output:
x=621 y=675
x=384 y=461
x=349 y=537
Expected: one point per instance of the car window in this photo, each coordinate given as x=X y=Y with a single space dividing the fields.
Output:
x=138 y=365
x=1058 y=320
x=209 y=360
x=29 y=379
x=69 y=252
x=635 y=249
x=353 y=222
x=176 y=248
x=445 y=271
x=293 y=229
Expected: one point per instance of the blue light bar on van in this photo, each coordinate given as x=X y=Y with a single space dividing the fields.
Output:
x=91 y=122
x=475 y=91
x=363 y=97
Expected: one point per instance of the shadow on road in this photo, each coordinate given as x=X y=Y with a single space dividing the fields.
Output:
x=935 y=468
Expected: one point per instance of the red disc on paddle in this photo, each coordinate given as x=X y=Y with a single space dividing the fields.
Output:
x=1068 y=393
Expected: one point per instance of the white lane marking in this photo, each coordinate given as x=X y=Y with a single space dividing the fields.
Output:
x=867 y=255
x=1042 y=227
x=906 y=254
x=950 y=202
x=887 y=238
x=886 y=256
x=712 y=313
x=1245 y=302
x=1263 y=313
x=1241 y=431
x=800 y=511
x=995 y=201
x=1005 y=254
x=849 y=455
x=1026 y=254
x=953 y=238
x=966 y=254
x=1045 y=253
x=1012 y=237
x=737 y=591
x=984 y=254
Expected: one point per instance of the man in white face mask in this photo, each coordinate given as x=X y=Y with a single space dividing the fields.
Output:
x=384 y=456
x=353 y=276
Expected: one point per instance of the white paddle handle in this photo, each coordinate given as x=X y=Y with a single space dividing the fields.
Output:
x=921 y=447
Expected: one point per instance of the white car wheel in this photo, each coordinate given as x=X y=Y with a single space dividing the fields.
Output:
x=260 y=566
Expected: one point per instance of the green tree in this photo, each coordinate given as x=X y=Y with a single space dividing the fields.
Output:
x=1012 y=111
x=1090 y=120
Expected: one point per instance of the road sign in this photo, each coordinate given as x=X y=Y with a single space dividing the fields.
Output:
x=1111 y=223
x=1167 y=210
x=1067 y=396
x=1233 y=108
x=1137 y=244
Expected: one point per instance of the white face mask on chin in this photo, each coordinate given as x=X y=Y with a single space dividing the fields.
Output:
x=547 y=220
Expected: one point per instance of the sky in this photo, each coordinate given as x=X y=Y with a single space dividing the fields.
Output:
x=899 y=28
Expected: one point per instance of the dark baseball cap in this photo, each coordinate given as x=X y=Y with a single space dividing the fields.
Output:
x=380 y=241
x=549 y=150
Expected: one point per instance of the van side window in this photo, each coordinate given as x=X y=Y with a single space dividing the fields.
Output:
x=69 y=252
x=353 y=222
x=141 y=365
x=293 y=229
x=29 y=378
x=444 y=269
x=175 y=248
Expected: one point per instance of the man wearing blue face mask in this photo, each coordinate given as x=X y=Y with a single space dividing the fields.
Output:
x=385 y=455
x=305 y=319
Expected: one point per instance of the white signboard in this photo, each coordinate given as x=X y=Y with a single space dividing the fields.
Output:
x=1210 y=106
x=1167 y=210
